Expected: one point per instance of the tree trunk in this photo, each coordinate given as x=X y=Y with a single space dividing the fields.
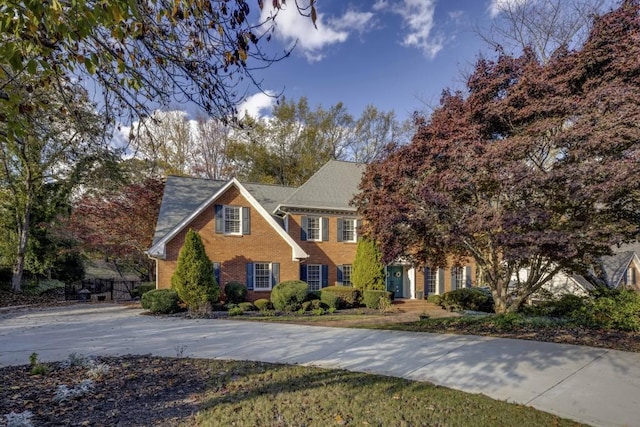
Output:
x=23 y=238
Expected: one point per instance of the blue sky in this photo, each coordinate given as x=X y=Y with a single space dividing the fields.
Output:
x=394 y=54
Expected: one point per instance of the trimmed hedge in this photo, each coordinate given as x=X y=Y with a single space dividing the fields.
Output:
x=263 y=304
x=235 y=292
x=142 y=289
x=161 y=301
x=434 y=299
x=348 y=297
x=330 y=299
x=371 y=298
x=289 y=295
x=467 y=299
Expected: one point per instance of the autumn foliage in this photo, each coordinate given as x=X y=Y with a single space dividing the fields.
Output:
x=535 y=167
x=119 y=225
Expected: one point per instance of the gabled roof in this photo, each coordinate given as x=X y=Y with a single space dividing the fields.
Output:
x=615 y=266
x=332 y=187
x=186 y=198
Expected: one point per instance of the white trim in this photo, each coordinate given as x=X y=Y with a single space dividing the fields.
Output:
x=255 y=288
x=411 y=278
x=159 y=249
x=320 y=230
x=354 y=221
x=224 y=220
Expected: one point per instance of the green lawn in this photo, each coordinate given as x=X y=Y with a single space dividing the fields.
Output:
x=261 y=394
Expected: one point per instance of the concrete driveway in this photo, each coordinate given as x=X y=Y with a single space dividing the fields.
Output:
x=595 y=386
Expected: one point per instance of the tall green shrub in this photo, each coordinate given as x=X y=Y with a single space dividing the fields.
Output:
x=368 y=270
x=193 y=279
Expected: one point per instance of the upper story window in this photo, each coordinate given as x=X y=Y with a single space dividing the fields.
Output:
x=630 y=278
x=347 y=229
x=232 y=220
x=314 y=228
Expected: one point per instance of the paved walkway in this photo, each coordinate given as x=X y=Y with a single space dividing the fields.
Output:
x=595 y=386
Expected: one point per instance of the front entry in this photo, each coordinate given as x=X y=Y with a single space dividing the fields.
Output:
x=395 y=282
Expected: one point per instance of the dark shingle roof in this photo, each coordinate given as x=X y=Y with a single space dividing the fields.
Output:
x=615 y=266
x=331 y=187
x=183 y=195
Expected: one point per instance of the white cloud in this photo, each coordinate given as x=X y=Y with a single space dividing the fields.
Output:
x=498 y=6
x=255 y=105
x=291 y=27
x=418 y=17
x=381 y=5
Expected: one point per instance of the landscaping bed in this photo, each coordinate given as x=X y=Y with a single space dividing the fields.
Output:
x=149 y=391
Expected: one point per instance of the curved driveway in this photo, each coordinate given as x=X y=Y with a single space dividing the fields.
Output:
x=595 y=386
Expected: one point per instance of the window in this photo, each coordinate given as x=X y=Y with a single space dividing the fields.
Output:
x=344 y=274
x=457 y=278
x=262 y=276
x=314 y=228
x=346 y=230
x=314 y=277
x=431 y=280
x=630 y=276
x=232 y=220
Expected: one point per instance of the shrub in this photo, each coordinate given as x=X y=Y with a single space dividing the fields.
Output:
x=329 y=298
x=230 y=306
x=313 y=295
x=434 y=299
x=247 y=306
x=373 y=298
x=263 y=304
x=348 y=297
x=618 y=310
x=467 y=299
x=236 y=311
x=142 y=289
x=235 y=292
x=306 y=306
x=289 y=295
x=561 y=307
x=368 y=270
x=162 y=301
x=42 y=286
x=193 y=279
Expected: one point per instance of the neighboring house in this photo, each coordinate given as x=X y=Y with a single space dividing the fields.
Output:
x=261 y=234
x=620 y=270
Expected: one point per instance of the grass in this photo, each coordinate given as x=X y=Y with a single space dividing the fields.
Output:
x=252 y=393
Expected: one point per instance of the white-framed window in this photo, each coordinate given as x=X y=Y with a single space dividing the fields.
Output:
x=314 y=277
x=431 y=281
x=630 y=276
x=457 y=278
x=262 y=276
x=232 y=219
x=349 y=230
x=346 y=275
x=314 y=228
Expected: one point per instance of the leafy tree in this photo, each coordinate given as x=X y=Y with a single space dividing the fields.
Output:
x=536 y=169
x=119 y=225
x=193 y=279
x=140 y=51
x=368 y=269
x=54 y=144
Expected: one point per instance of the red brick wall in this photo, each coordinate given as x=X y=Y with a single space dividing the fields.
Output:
x=331 y=253
x=264 y=244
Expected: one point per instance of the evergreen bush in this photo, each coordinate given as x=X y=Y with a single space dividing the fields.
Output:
x=467 y=299
x=374 y=298
x=289 y=295
x=235 y=292
x=618 y=309
x=193 y=279
x=348 y=297
x=161 y=301
x=329 y=298
x=263 y=304
x=434 y=299
x=368 y=269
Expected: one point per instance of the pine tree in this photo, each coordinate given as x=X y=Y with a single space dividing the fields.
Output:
x=368 y=270
x=193 y=279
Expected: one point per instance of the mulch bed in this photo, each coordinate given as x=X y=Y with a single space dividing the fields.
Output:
x=135 y=391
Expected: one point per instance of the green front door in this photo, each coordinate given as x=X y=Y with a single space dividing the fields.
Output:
x=395 y=281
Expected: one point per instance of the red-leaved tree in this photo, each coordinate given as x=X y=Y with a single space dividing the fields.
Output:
x=536 y=168
x=119 y=225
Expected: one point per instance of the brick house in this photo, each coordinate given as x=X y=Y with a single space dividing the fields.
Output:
x=261 y=234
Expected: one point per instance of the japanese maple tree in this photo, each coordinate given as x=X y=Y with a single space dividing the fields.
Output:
x=534 y=169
